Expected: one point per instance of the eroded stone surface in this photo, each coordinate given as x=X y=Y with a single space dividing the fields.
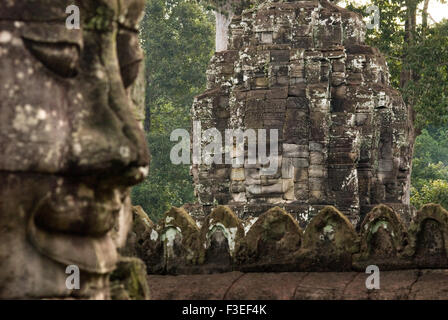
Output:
x=273 y=237
x=180 y=238
x=328 y=242
x=383 y=238
x=428 y=237
x=274 y=242
x=221 y=234
x=128 y=281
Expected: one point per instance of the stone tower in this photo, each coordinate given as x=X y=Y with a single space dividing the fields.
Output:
x=345 y=136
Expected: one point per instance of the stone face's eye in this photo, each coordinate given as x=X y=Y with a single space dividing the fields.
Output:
x=129 y=55
x=59 y=57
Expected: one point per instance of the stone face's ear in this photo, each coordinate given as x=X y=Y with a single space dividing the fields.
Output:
x=383 y=238
x=428 y=237
x=271 y=240
x=180 y=238
x=221 y=234
x=328 y=242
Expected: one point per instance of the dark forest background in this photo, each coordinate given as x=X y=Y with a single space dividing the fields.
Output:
x=178 y=38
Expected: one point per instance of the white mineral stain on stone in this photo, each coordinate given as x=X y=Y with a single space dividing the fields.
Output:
x=351 y=178
x=154 y=235
x=328 y=232
x=378 y=225
x=77 y=148
x=5 y=36
x=144 y=170
x=124 y=152
x=229 y=233
x=41 y=114
x=168 y=219
x=249 y=224
x=170 y=235
x=24 y=119
x=99 y=74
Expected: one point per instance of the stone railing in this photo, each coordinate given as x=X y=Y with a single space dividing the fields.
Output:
x=274 y=241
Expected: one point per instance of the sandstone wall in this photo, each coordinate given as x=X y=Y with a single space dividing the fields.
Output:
x=274 y=242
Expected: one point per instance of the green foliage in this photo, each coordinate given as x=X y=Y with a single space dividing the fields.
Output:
x=429 y=91
x=430 y=168
x=167 y=184
x=178 y=39
x=430 y=157
x=435 y=191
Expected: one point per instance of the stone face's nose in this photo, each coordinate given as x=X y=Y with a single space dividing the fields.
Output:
x=106 y=137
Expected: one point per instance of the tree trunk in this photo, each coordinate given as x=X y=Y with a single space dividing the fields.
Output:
x=222 y=29
x=425 y=17
x=409 y=39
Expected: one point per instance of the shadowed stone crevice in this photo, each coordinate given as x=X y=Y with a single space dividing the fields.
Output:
x=431 y=284
x=231 y=285
x=356 y=275
x=419 y=274
x=298 y=285
x=428 y=238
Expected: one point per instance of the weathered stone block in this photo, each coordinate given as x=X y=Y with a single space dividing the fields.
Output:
x=328 y=242
x=428 y=237
x=383 y=238
x=221 y=234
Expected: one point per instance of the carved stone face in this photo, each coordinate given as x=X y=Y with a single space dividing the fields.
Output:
x=70 y=147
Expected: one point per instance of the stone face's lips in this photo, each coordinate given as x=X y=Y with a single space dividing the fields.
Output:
x=92 y=254
x=73 y=225
x=77 y=213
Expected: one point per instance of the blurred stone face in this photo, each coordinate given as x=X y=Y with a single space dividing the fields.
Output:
x=70 y=146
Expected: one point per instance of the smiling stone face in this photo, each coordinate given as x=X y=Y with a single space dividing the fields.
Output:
x=345 y=136
x=70 y=145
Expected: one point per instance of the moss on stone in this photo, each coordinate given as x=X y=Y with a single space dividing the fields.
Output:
x=129 y=280
x=179 y=220
x=384 y=225
x=427 y=212
x=275 y=235
x=223 y=218
x=342 y=236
